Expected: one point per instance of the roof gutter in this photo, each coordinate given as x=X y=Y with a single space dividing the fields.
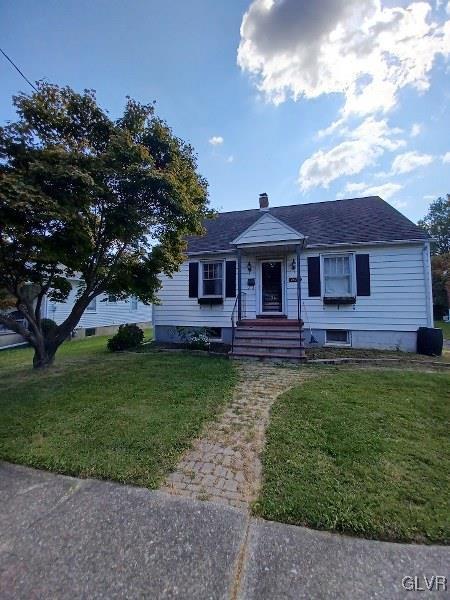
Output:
x=335 y=245
x=371 y=243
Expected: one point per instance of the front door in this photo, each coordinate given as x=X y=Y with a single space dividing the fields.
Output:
x=271 y=287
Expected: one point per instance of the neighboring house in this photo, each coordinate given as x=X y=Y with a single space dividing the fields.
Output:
x=365 y=279
x=8 y=338
x=103 y=315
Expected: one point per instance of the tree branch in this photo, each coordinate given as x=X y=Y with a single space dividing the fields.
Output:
x=15 y=326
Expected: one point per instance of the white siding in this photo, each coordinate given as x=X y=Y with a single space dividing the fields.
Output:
x=106 y=313
x=177 y=308
x=267 y=229
x=398 y=294
x=397 y=301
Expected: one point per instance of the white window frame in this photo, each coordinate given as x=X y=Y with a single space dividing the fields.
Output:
x=92 y=310
x=351 y=257
x=346 y=344
x=200 y=275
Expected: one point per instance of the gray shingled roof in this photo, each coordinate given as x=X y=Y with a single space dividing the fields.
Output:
x=336 y=222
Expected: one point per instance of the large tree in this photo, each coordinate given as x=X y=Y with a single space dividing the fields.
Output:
x=109 y=200
x=440 y=271
x=437 y=224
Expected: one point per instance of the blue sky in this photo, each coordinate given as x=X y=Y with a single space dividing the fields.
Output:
x=305 y=101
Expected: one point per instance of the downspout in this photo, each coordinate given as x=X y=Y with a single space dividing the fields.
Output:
x=428 y=283
x=299 y=285
x=299 y=304
x=239 y=284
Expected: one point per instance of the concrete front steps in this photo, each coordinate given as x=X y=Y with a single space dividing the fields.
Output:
x=280 y=339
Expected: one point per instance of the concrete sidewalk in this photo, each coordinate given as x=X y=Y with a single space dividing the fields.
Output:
x=62 y=537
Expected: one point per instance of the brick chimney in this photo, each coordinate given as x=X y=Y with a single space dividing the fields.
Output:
x=263 y=201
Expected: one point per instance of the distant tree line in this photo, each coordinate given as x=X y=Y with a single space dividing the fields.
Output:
x=437 y=224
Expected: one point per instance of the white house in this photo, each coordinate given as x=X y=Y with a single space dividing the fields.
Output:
x=356 y=271
x=103 y=315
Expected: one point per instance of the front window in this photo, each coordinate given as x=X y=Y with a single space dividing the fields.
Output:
x=337 y=275
x=212 y=278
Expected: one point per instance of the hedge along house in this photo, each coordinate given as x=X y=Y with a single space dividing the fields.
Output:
x=356 y=271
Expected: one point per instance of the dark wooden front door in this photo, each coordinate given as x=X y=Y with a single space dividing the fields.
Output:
x=271 y=287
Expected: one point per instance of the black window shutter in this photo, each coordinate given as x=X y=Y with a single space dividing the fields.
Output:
x=313 y=276
x=362 y=275
x=193 y=280
x=230 y=279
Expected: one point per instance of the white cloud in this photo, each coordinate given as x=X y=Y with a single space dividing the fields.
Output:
x=416 y=129
x=367 y=52
x=361 y=148
x=385 y=190
x=230 y=159
x=216 y=140
x=399 y=204
x=446 y=158
x=407 y=162
x=356 y=187
x=430 y=197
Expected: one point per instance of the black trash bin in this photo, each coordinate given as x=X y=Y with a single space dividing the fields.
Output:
x=429 y=341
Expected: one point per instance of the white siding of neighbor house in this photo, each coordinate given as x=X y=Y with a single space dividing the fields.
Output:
x=398 y=300
x=267 y=229
x=107 y=313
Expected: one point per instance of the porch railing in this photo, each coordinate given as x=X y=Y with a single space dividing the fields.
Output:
x=234 y=314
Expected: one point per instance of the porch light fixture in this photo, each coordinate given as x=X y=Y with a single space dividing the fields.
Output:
x=249 y=267
x=293 y=264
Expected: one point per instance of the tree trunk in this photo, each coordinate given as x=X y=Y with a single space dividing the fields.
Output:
x=44 y=355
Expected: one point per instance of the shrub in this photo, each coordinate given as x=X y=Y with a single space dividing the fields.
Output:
x=128 y=336
x=197 y=339
x=48 y=326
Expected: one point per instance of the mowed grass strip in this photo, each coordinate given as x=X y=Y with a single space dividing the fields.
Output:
x=365 y=453
x=445 y=326
x=125 y=417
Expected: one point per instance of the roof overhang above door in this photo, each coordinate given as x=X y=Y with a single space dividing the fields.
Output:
x=268 y=231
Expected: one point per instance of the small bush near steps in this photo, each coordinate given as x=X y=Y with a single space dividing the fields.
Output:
x=128 y=336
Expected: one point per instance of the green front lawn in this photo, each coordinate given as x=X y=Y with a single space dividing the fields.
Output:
x=445 y=326
x=125 y=417
x=364 y=453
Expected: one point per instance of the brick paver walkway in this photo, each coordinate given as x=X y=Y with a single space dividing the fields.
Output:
x=224 y=465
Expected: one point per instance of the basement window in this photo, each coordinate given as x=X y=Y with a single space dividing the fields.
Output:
x=90 y=331
x=337 y=337
x=215 y=333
